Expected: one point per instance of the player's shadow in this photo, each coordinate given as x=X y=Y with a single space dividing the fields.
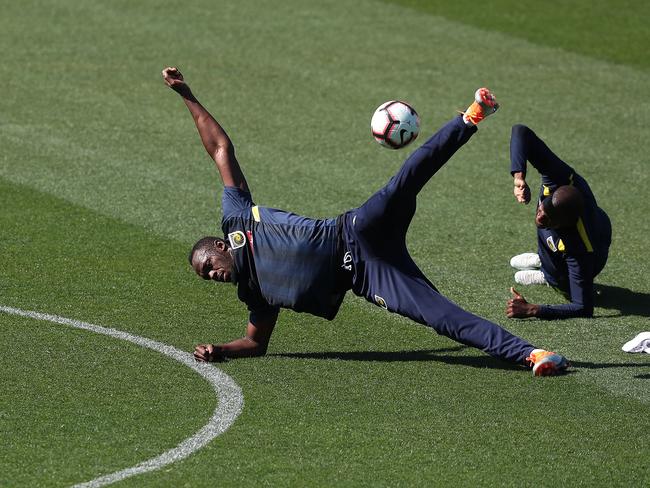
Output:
x=484 y=362
x=406 y=356
x=590 y=365
x=624 y=300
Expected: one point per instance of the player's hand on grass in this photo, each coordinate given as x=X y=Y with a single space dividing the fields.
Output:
x=208 y=353
x=521 y=190
x=174 y=79
x=518 y=307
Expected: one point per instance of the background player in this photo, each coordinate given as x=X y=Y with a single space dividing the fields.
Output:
x=573 y=233
x=279 y=259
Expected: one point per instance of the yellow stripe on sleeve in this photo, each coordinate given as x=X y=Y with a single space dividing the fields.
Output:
x=256 y=213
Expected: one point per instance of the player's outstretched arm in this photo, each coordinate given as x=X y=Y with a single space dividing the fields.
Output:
x=214 y=138
x=521 y=190
x=526 y=146
x=255 y=343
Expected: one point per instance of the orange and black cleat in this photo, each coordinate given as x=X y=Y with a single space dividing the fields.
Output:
x=547 y=363
x=484 y=104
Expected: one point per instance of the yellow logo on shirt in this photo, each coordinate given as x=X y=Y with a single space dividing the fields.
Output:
x=237 y=239
x=381 y=302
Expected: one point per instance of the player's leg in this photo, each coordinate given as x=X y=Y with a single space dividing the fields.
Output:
x=412 y=295
x=554 y=272
x=424 y=162
x=394 y=204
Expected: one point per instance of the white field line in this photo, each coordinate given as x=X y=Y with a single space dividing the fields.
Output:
x=231 y=400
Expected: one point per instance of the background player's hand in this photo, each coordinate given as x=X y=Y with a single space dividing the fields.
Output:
x=521 y=190
x=518 y=307
x=174 y=79
x=208 y=353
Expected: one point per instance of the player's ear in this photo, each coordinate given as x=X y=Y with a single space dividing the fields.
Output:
x=220 y=245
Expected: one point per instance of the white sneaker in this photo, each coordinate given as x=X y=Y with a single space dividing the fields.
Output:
x=527 y=260
x=530 y=277
x=641 y=343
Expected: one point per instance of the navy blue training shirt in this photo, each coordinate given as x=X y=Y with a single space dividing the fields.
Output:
x=282 y=259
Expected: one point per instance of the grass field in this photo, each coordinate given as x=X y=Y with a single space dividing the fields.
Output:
x=104 y=186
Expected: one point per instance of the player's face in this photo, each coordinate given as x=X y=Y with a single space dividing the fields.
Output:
x=214 y=267
x=541 y=219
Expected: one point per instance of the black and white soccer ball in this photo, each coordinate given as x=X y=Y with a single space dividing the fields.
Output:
x=395 y=124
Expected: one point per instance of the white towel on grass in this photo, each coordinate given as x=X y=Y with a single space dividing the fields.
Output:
x=641 y=343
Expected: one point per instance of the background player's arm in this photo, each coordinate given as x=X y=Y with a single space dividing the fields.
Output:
x=581 y=288
x=525 y=147
x=521 y=190
x=214 y=138
x=580 y=270
x=255 y=343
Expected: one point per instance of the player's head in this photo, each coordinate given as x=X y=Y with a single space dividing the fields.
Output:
x=211 y=259
x=560 y=210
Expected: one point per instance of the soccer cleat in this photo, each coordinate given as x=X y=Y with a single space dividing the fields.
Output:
x=641 y=343
x=547 y=363
x=527 y=260
x=484 y=104
x=530 y=277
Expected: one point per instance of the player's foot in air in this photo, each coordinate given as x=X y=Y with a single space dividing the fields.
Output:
x=547 y=363
x=484 y=104
x=530 y=277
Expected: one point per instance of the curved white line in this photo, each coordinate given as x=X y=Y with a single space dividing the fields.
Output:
x=231 y=400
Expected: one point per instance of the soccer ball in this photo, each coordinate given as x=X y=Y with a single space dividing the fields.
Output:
x=395 y=124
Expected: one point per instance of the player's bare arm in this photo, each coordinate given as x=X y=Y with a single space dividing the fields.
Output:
x=521 y=189
x=214 y=138
x=255 y=343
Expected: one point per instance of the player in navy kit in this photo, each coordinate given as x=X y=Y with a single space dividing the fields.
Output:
x=281 y=260
x=573 y=233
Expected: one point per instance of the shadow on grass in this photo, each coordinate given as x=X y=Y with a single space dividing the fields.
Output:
x=624 y=300
x=438 y=355
x=588 y=365
x=404 y=356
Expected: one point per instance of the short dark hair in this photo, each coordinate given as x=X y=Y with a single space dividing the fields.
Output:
x=565 y=206
x=205 y=244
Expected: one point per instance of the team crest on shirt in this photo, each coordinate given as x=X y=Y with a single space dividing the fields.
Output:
x=347 y=261
x=381 y=302
x=237 y=239
x=551 y=244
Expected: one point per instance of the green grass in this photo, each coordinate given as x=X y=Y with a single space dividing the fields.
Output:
x=104 y=186
x=614 y=31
